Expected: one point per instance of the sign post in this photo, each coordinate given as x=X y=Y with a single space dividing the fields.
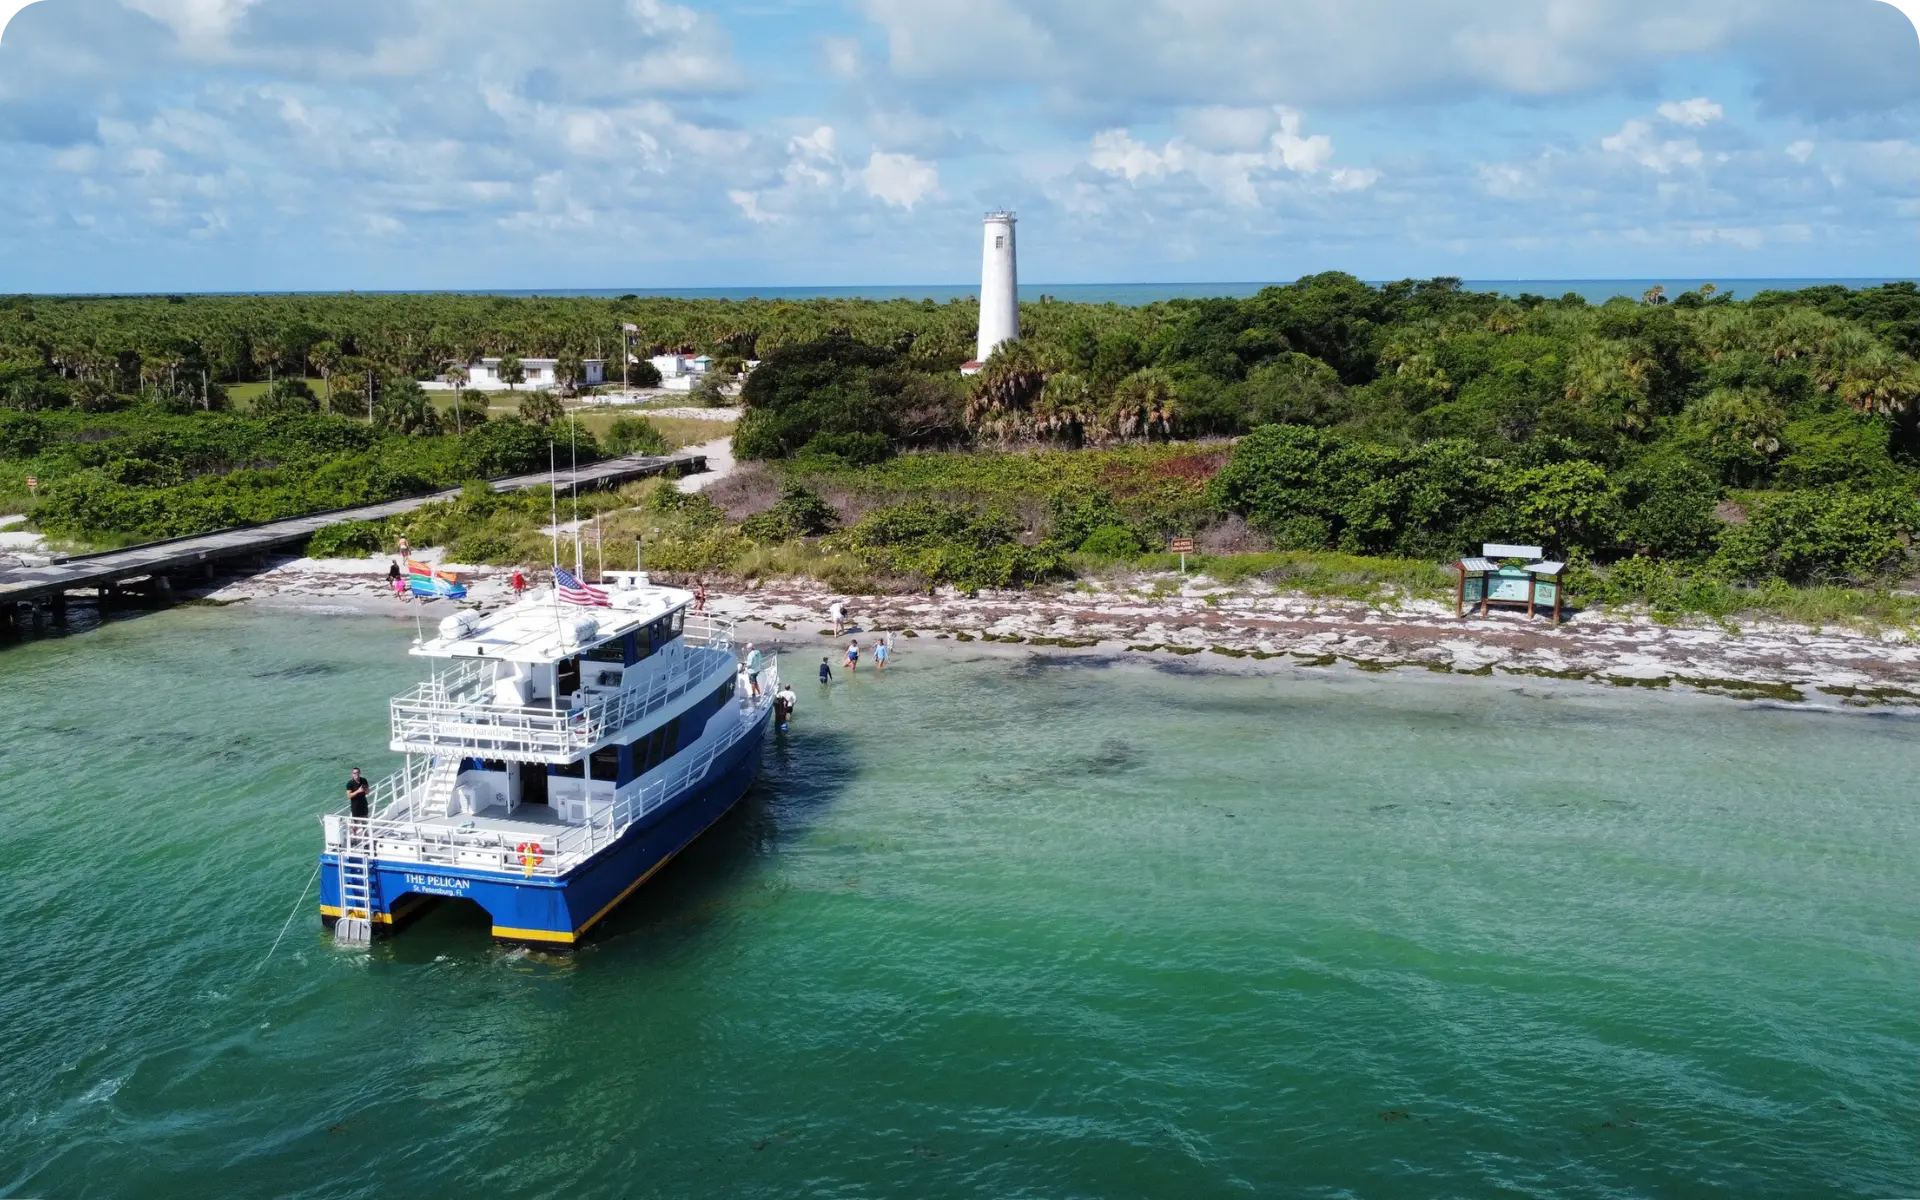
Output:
x=1182 y=547
x=33 y=484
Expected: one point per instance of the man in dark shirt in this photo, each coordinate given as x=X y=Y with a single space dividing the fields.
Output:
x=357 y=794
x=826 y=672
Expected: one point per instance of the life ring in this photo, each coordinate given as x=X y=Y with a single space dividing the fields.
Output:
x=530 y=856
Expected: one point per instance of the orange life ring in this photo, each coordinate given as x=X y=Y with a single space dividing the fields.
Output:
x=530 y=856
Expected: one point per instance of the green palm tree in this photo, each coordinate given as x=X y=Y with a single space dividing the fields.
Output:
x=511 y=371
x=457 y=376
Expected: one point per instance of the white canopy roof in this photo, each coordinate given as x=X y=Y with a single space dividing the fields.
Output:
x=540 y=629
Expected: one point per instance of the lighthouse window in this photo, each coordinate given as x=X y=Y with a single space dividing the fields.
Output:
x=1000 y=243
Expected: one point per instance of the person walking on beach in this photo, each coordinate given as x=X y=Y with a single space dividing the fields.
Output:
x=853 y=656
x=753 y=670
x=882 y=648
x=700 y=597
x=357 y=794
x=519 y=582
x=839 y=614
x=826 y=672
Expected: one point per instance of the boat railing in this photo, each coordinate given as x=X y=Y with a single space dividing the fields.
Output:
x=708 y=629
x=426 y=722
x=397 y=838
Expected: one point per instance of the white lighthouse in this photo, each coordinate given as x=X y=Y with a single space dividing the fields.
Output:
x=999 y=285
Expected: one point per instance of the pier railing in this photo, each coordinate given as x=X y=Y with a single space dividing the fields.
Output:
x=455 y=716
x=398 y=839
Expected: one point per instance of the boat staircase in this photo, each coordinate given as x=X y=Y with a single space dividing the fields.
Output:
x=355 y=924
x=436 y=794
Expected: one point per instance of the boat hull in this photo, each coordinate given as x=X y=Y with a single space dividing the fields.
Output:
x=559 y=911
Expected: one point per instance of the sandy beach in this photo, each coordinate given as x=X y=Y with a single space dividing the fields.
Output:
x=1198 y=622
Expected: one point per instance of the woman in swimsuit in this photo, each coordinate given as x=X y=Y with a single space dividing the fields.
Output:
x=853 y=656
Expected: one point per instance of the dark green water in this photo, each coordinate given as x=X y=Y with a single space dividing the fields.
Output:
x=990 y=926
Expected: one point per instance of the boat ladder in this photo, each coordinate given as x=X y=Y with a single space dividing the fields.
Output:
x=355 y=924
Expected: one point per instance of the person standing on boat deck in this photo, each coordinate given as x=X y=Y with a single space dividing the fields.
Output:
x=826 y=672
x=839 y=613
x=357 y=794
x=519 y=583
x=753 y=670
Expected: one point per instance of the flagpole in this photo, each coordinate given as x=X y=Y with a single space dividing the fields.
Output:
x=553 y=500
x=573 y=485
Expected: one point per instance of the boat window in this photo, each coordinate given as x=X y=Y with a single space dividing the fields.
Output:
x=614 y=651
x=673 y=737
x=656 y=747
x=679 y=621
x=493 y=764
x=606 y=763
x=630 y=645
x=572 y=770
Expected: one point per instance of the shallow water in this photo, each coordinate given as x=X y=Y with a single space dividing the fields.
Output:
x=995 y=924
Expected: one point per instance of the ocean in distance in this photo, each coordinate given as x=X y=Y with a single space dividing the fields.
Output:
x=995 y=924
x=1594 y=291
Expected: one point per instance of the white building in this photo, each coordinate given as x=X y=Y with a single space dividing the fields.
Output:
x=679 y=372
x=999 y=287
x=484 y=376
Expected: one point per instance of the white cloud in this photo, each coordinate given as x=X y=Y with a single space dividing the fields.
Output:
x=899 y=179
x=203 y=26
x=842 y=57
x=1738 y=237
x=1800 y=151
x=1636 y=140
x=1235 y=175
x=749 y=204
x=1697 y=113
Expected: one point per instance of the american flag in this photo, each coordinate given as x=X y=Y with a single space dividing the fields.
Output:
x=572 y=591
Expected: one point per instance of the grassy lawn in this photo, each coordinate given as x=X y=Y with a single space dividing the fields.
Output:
x=244 y=394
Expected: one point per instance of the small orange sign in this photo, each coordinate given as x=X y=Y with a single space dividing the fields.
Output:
x=33 y=483
x=1181 y=546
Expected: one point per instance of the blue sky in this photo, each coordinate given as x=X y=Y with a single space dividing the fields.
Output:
x=171 y=145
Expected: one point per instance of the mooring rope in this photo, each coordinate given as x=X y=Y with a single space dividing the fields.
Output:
x=290 y=916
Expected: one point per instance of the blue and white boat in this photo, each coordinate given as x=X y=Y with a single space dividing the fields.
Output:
x=559 y=755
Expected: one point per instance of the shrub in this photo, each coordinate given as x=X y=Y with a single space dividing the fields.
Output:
x=634 y=435
x=827 y=450
x=349 y=539
x=1112 y=541
x=1830 y=535
x=800 y=512
x=1668 y=509
x=287 y=397
x=944 y=543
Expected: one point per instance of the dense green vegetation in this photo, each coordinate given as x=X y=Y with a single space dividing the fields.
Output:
x=1700 y=453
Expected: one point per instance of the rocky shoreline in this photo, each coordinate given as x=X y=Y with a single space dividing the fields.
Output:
x=1197 y=621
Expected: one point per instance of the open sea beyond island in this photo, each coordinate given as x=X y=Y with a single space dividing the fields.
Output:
x=996 y=924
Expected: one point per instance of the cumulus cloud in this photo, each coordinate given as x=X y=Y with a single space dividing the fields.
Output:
x=899 y=179
x=1697 y=113
x=1637 y=141
x=1236 y=175
x=1122 y=56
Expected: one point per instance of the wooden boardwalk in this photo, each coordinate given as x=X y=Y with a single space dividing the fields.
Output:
x=158 y=561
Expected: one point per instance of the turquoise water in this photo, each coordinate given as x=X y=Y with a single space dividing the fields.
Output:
x=992 y=925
